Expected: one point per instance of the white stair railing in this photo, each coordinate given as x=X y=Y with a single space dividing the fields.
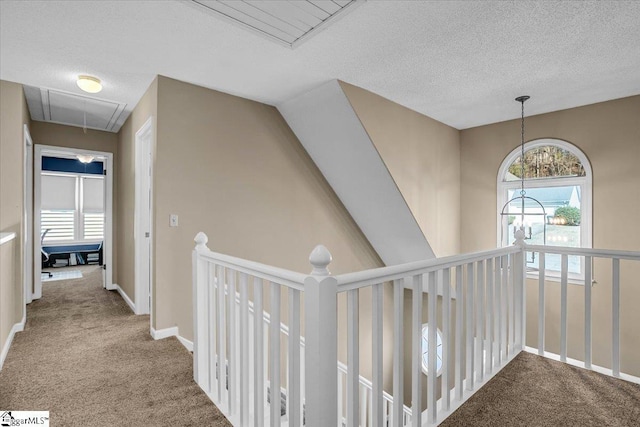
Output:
x=239 y=357
x=486 y=332
x=236 y=361
x=477 y=300
x=585 y=258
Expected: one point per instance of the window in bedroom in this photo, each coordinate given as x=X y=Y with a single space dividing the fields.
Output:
x=72 y=207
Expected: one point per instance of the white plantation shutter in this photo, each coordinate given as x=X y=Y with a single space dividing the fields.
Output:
x=61 y=225
x=93 y=226
x=58 y=192
x=93 y=195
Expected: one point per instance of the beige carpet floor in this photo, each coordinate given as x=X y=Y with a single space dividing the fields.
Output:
x=86 y=358
x=538 y=392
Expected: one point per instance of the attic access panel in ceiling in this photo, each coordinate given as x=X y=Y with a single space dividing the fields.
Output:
x=286 y=22
x=65 y=108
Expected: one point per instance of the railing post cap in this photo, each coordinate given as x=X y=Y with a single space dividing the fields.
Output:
x=201 y=240
x=320 y=258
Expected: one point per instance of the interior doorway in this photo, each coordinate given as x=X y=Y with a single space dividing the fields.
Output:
x=72 y=214
x=143 y=214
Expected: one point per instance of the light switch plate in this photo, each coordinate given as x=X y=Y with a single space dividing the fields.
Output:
x=173 y=220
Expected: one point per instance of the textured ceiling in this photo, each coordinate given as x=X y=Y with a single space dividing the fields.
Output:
x=459 y=62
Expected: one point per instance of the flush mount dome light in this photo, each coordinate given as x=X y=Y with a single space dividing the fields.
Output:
x=89 y=84
x=85 y=158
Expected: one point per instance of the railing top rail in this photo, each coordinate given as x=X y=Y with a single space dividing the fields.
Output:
x=281 y=276
x=366 y=278
x=598 y=253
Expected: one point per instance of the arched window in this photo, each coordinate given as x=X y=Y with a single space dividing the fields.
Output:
x=425 y=350
x=558 y=175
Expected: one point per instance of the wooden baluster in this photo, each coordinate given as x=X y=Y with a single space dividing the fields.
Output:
x=213 y=328
x=258 y=354
x=274 y=356
x=221 y=368
x=398 y=351
x=294 y=391
x=244 y=351
x=416 y=342
x=459 y=328
x=353 y=359
x=503 y=304
x=378 y=417
x=446 y=332
x=363 y=406
x=541 y=303
x=510 y=304
x=615 y=311
x=469 y=329
x=587 y=312
x=340 y=398
x=432 y=369
x=480 y=322
x=370 y=403
x=564 y=262
x=386 y=417
x=497 y=337
x=520 y=268
x=489 y=318
x=232 y=381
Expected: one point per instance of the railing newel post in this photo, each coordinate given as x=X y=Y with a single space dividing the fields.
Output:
x=520 y=288
x=321 y=351
x=200 y=324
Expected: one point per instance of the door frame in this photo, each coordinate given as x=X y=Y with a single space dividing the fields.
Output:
x=107 y=248
x=143 y=219
x=27 y=241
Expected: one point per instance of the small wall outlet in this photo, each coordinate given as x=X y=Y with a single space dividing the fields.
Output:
x=173 y=220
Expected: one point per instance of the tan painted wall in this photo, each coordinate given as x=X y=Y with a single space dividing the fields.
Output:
x=609 y=134
x=125 y=193
x=13 y=116
x=423 y=157
x=232 y=168
x=73 y=137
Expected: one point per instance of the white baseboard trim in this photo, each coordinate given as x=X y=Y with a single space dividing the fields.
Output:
x=580 y=364
x=164 y=333
x=171 y=332
x=18 y=327
x=125 y=297
x=186 y=343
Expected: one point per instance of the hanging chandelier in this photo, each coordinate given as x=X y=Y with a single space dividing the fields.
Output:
x=523 y=207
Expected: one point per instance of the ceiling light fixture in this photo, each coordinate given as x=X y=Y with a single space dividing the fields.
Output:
x=530 y=208
x=89 y=84
x=85 y=158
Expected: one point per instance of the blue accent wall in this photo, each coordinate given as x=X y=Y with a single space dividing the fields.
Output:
x=55 y=164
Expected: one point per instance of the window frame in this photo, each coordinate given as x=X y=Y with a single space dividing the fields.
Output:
x=425 y=368
x=78 y=229
x=584 y=182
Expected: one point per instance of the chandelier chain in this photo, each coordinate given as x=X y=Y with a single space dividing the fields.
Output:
x=522 y=192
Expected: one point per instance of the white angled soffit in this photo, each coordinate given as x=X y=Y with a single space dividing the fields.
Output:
x=330 y=131
x=289 y=23
x=48 y=105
